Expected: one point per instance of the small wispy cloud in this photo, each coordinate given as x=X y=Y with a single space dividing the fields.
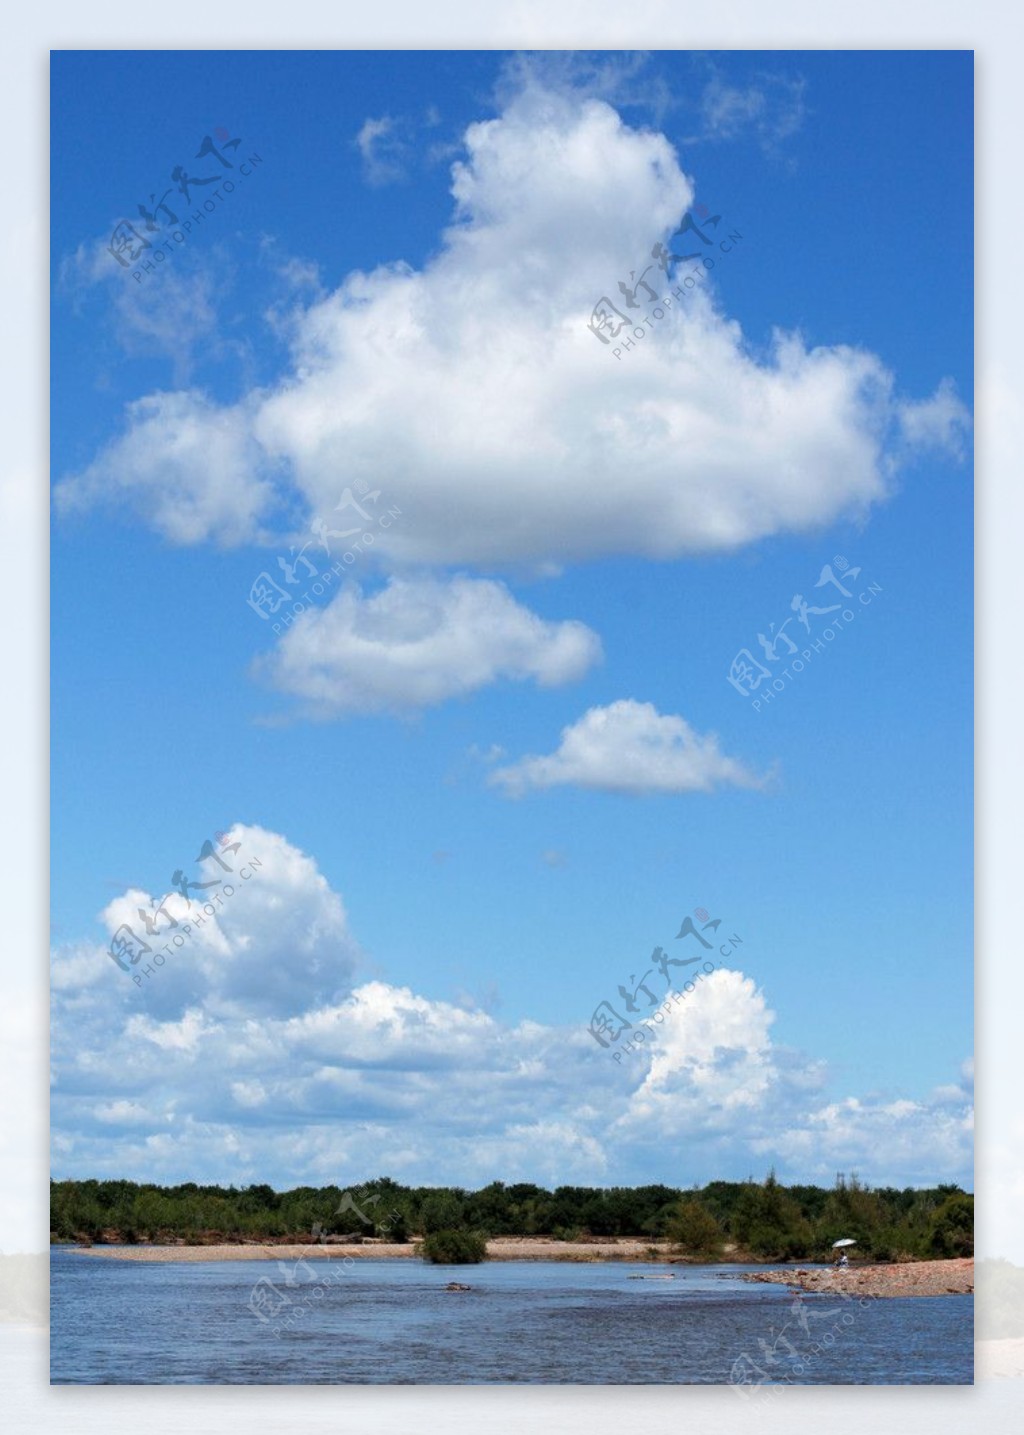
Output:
x=769 y=110
x=941 y=422
x=177 y=319
x=385 y=149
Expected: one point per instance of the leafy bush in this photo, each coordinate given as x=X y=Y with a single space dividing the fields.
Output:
x=693 y=1229
x=453 y=1248
x=952 y=1232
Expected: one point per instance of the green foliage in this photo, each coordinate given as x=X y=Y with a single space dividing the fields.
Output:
x=693 y=1229
x=393 y=1229
x=952 y=1232
x=760 y=1219
x=442 y=1211
x=454 y=1248
x=769 y=1222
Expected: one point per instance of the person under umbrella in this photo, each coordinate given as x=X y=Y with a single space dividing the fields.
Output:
x=841 y=1261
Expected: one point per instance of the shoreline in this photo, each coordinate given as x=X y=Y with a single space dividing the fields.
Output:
x=910 y=1278
x=500 y=1248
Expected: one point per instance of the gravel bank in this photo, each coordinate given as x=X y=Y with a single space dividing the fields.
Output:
x=955 y=1277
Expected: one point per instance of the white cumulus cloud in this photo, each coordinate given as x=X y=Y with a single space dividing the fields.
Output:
x=278 y=941
x=191 y=468
x=215 y=1070
x=473 y=391
x=893 y=1139
x=420 y=641
x=628 y=747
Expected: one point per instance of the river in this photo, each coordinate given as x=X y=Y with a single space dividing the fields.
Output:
x=523 y=1322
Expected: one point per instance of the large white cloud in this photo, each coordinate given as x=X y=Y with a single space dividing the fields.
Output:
x=216 y=1070
x=628 y=747
x=420 y=641
x=278 y=942
x=713 y=1054
x=472 y=391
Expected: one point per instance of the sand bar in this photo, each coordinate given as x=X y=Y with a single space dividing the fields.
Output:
x=505 y=1248
x=909 y=1278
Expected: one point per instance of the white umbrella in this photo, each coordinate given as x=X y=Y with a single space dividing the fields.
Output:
x=847 y=1242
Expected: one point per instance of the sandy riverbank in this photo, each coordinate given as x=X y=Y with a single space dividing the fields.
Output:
x=509 y=1248
x=955 y=1277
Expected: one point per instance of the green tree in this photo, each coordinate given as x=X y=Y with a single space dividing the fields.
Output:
x=768 y=1219
x=393 y=1228
x=952 y=1232
x=770 y=1222
x=441 y=1211
x=693 y=1229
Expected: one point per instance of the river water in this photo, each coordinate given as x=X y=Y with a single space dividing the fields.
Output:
x=523 y=1322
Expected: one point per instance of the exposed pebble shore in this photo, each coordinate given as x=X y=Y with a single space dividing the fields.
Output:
x=954 y=1277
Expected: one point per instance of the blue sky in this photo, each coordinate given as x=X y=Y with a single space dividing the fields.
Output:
x=584 y=544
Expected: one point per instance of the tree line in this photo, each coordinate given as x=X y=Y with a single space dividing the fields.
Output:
x=763 y=1219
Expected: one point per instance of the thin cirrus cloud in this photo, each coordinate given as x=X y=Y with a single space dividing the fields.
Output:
x=629 y=747
x=475 y=383
x=419 y=642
